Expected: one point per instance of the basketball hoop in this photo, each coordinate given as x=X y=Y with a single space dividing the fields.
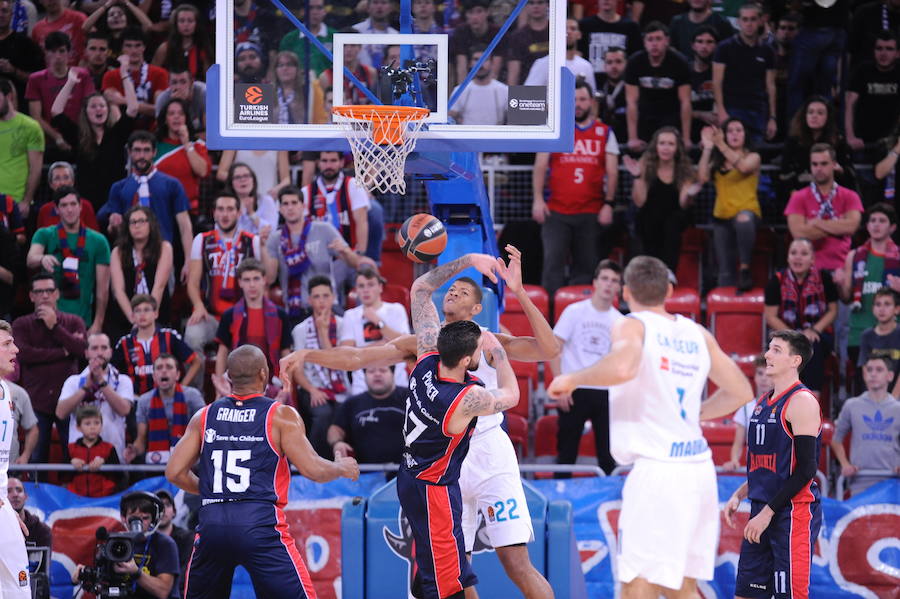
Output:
x=381 y=137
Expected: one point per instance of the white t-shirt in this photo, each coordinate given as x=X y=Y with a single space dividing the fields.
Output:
x=362 y=333
x=540 y=71
x=482 y=104
x=586 y=333
x=656 y=415
x=113 y=430
x=266 y=210
x=742 y=415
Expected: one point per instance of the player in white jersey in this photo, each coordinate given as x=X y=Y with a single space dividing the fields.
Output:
x=490 y=471
x=14 y=577
x=656 y=371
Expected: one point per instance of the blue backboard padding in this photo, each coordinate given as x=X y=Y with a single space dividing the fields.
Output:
x=489 y=317
x=253 y=139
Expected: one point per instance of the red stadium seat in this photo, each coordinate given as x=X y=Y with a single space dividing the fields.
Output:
x=719 y=436
x=737 y=321
x=397 y=294
x=569 y=295
x=518 y=433
x=526 y=369
x=690 y=265
x=545 y=444
x=523 y=408
x=684 y=301
x=745 y=363
x=763 y=250
x=538 y=296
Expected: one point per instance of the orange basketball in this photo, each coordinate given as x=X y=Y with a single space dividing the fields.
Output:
x=422 y=237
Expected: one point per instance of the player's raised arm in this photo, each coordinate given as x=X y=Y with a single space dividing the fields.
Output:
x=291 y=438
x=185 y=455
x=479 y=401
x=426 y=323
x=734 y=389
x=347 y=357
x=620 y=365
x=544 y=345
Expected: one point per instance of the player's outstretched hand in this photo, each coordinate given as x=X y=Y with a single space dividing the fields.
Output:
x=758 y=524
x=289 y=364
x=561 y=386
x=489 y=341
x=486 y=265
x=348 y=466
x=730 y=509
x=512 y=272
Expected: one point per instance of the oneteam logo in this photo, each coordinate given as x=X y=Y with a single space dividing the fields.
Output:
x=253 y=95
x=513 y=103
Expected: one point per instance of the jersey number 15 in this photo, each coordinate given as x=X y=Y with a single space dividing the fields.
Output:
x=237 y=478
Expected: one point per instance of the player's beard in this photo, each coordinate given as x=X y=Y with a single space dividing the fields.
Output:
x=581 y=115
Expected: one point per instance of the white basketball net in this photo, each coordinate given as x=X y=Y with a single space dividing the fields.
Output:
x=379 y=167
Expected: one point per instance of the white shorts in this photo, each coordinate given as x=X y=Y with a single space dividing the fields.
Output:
x=14 y=578
x=669 y=523
x=490 y=485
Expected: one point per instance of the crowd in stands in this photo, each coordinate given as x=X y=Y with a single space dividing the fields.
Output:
x=133 y=258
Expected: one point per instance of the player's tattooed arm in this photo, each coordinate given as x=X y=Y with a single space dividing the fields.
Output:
x=426 y=323
x=481 y=402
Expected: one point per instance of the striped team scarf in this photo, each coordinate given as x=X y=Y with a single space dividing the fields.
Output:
x=160 y=435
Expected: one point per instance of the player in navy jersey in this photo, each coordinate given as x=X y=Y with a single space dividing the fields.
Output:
x=243 y=443
x=785 y=514
x=441 y=412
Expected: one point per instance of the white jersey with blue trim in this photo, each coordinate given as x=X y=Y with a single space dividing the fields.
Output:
x=487 y=375
x=8 y=428
x=656 y=415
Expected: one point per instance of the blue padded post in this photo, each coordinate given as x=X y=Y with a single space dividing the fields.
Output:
x=563 y=560
x=353 y=548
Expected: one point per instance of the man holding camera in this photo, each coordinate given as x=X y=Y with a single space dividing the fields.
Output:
x=152 y=570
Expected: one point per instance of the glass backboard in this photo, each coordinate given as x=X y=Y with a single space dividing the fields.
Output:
x=496 y=80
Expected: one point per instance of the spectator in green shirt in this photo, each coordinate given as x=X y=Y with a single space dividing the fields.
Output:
x=21 y=150
x=295 y=42
x=78 y=258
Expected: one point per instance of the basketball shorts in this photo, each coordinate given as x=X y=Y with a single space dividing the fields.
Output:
x=434 y=513
x=669 y=523
x=14 y=577
x=779 y=565
x=491 y=488
x=253 y=535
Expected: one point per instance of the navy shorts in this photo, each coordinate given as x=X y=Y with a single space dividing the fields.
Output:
x=434 y=513
x=249 y=534
x=779 y=565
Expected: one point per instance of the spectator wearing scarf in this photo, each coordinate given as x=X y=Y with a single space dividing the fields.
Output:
x=163 y=412
x=325 y=387
x=253 y=320
x=824 y=212
x=803 y=297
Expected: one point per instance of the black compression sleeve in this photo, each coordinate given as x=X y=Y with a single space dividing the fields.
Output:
x=804 y=471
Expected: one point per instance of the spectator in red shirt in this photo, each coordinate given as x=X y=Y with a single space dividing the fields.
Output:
x=44 y=85
x=89 y=453
x=149 y=80
x=61 y=174
x=180 y=152
x=66 y=20
x=577 y=204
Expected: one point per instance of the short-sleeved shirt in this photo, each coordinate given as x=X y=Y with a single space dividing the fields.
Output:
x=878 y=102
x=70 y=22
x=135 y=357
x=113 y=430
x=293 y=42
x=156 y=80
x=586 y=333
x=192 y=397
x=362 y=333
x=304 y=336
x=197 y=106
x=43 y=86
x=658 y=85
x=256 y=333
x=744 y=84
x=159 y=555
x=831 y=250
x=462 y=39
x=374 y=427
x=96 y=252
x=598 y=36
x=527 y=45
x=22 y=413
x=18 y=136
x=321 y=258
x=167 y=199
x=873 y=345
x=682 y=31
x=482 y=104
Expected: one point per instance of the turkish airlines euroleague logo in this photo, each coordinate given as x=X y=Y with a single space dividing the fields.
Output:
x=253 y=95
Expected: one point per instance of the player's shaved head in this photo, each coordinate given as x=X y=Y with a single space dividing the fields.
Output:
x=243 y=367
